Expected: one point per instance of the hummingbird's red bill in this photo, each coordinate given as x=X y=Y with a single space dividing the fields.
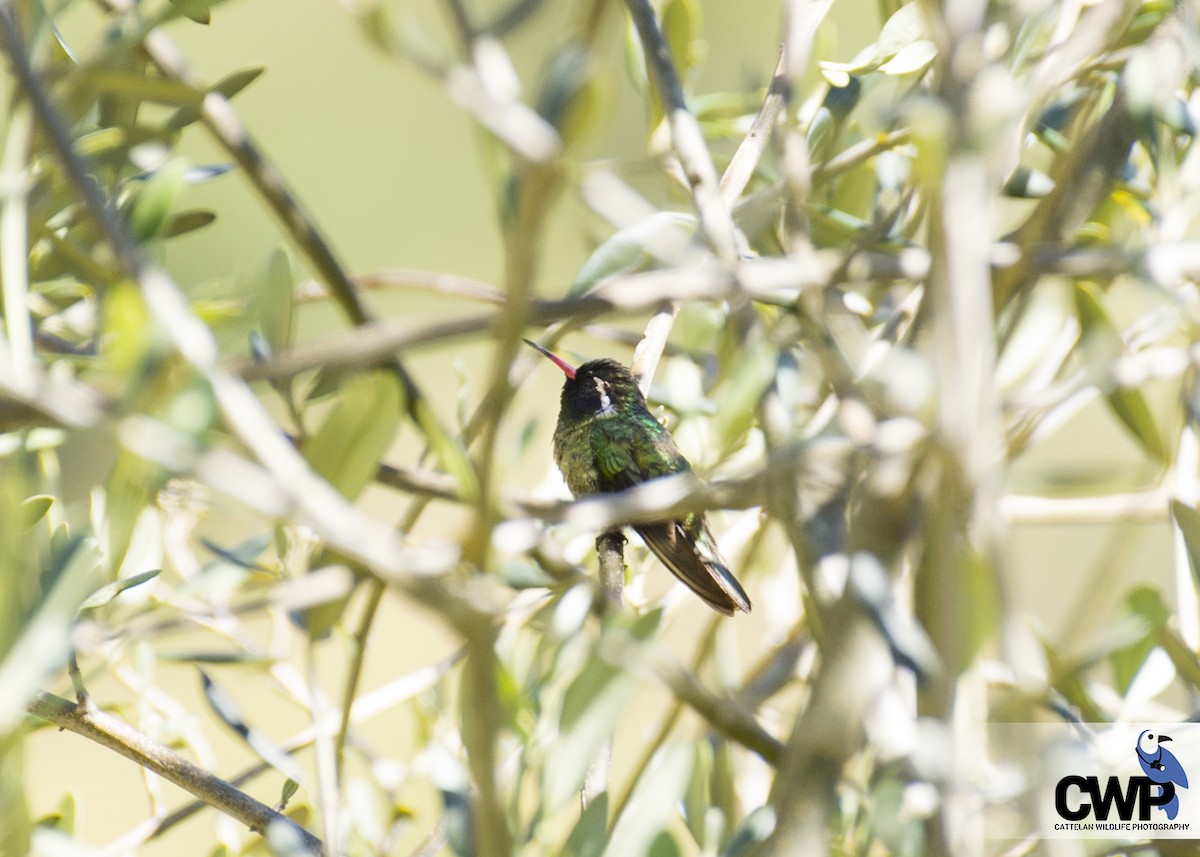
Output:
x=567 y=368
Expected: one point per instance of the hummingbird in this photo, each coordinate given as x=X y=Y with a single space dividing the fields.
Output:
x=607 y=440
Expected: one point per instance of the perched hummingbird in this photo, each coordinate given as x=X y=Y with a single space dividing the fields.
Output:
x=607 y=440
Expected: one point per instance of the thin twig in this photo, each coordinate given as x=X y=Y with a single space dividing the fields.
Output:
x=116 y=735
x=686 y=136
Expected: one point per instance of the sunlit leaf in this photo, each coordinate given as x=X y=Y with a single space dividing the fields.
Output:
x=660 y=238
x=109 y=591
x=911 y=58
x=682 y=23
x=34 y=508
x=653 y=802
x=1127 y=403
x=1146 y=606
x=347 y=448
x=591 y=831
x=906 y=26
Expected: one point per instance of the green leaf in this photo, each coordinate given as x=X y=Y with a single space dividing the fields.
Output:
x=593 y=704
x=45 y=639
x=1188 y=521
x=697 y=800
x=1187 y=666
x=187 y=221
x=34 y=508
x=274 y=301
x=653 y=802
x=681 y=25
x=1027 y=183
x=139 y=87
x=660 y=238
x=290 y=787
x=222 y=658
x=591 y=831
x=347 y=448
x=904 y=28
x=155 y=200
x=1148 y=615
x=228 y=86
x=199 y=14
x=1104 y=345
x=752 y=372
x=664 y=845
x=109 y=591
x=15 y=826
x=911 y=58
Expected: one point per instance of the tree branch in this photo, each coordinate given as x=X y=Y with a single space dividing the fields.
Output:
x=118 y=736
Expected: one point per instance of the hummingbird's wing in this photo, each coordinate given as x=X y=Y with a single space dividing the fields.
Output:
x=696 y=562
x=628 y=453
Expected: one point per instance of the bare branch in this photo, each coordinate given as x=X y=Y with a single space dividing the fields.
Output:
x=114 y=734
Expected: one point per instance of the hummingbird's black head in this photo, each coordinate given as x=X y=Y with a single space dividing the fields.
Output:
x=597 y=389
x=601 y=389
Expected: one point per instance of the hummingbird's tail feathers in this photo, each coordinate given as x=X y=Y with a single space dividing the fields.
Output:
x=701 y=569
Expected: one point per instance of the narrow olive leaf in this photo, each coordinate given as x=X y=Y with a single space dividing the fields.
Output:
x=592 y=705
x=1127 y=403
x=218 y=658
x=139 y=87
x=1187 y=666
x=591 y=831
x=290 y=787
x=1027 y=183
x=911 y=58
x=45 y=639
x=752 y=373
x=187 y=221
x=448 y=451
x=347 y=448
x=1188 y=521
x=110 y=146
x=34 y=508
x=154 y=201
x=59 y=255
x=697 y=800
x=243 y=554
x=752 y=832
x=653 y=803
x=682 y=23
x=197 y=10
x=274 y=300
x=904 y=28
x=228 y=87
x=200 y=16
x=109 y=591
x=1147 y=616
x=659 y=239
x=224 y=706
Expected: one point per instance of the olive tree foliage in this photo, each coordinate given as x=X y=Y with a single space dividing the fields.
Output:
x=868 y=290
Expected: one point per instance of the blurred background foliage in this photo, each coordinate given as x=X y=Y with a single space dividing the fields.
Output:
x=275 y=473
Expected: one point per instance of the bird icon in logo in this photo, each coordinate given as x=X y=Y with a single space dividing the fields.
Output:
x=1161 y=766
